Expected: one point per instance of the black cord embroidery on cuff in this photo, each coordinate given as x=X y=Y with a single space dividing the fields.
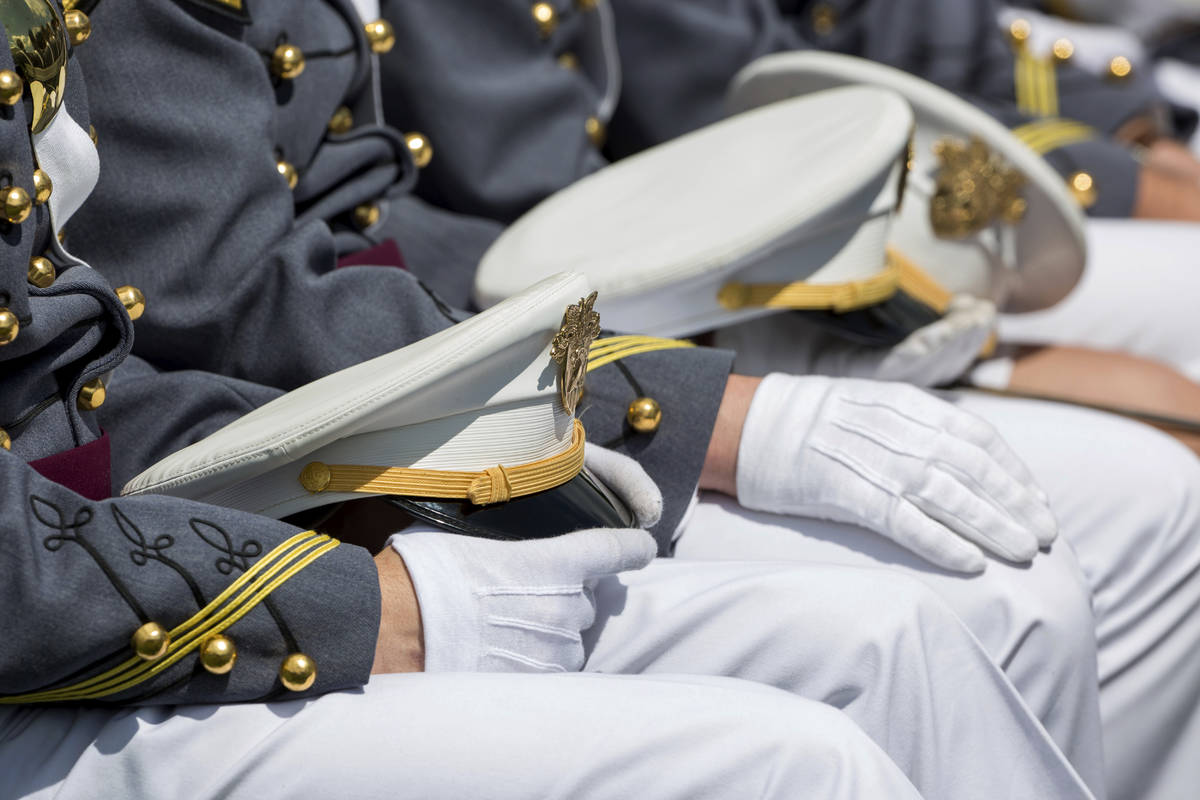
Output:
x=152 y=551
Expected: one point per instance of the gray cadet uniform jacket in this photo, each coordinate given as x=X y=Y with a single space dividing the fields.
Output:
x=242 y=272
x=80 y=571
x=505 y=99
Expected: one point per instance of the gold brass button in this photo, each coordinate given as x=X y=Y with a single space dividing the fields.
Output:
x=297 y=672
x=315 y=477
x=1063 y=49
x=16 y=204
x=41 y=272
x=1120 y=68
x=420 y=147
x=9 y=326
x=91 y=395
x=79 y=27
x=341 y=121
x=288 y=172
x=366 y=215
x=644 y=415
x=42 y=187
x=380 y=36
x=569 y=60
x=824 y=19
x=5 y=440
x=217 y=654
x=62 y=235
x=1019 y=31
x=92 y=135
x=11 y=87
x=596 y=132
x=546 y=19
x=150 y=642
x=1083 y=187
x=287 y=61
x=134 y=301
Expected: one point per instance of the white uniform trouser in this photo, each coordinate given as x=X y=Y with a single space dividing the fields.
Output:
x=1137 y=295
x=880 y=647
x=1125 y=571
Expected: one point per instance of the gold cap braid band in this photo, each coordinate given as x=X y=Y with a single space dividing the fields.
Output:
x=493 y=485
x=802 y=296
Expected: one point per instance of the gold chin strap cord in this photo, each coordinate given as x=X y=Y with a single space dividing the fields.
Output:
x=494 y=485
x=803 y=296
x=919 y=284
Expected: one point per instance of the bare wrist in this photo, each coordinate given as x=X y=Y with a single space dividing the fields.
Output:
x=720 y=463
x=401 y=643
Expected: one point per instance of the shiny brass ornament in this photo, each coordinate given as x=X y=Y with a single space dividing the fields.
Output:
x=824 y=19
x=380 y=36
x=150 y=642
x=9 y=326
x=420 y=147
x=5 y=440
x=1083 y=188
x=11 y=87
x=288 y=173
x=568 y=61
x=546 y=19
x=596 y=132
x=79 y=27
x=974 y=189
x=218 y=654
x=17 y=205
x=91 y=395
x=1019 y=32
x=134 y=301
x=42 y=187
x=1120 y=68
x=585 y=5
x=38 y=41
x=580 y=327
x=1063 y=49
x=287 y=61
x=41 y=272
x=341 y=121
x=297 y=673
x=366 y=215
x=644 y=415
x=93 y=136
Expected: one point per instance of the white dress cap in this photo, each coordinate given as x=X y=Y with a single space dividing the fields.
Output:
x=801 y=191
x=484 y=394
x=1023 y=266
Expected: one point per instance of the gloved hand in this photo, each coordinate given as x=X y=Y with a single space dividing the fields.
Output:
x=932 y=478
x=492 y=606
x=934 y=355
x=628 y=480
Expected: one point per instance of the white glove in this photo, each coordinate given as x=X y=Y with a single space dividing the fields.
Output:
x=934 y=355
x=492 y=606
x=628 y=480
x=927 y=475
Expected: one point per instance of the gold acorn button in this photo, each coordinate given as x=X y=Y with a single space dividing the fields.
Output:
x=824 y=19
x=366 y=215
x=217 y=654
x=16 y=205
x=79 y=27
x=287 y=61
x=5 y=440
x=134 y=301
x=288 y=173
x=341 y=121
x=91 y=395
x=150 y=642
x=546 y=19
x=1083 y=187
x=1063 y=49
x=42 y=187
x=596 y=131
x=1019 y=31
x=380 y=36
x=11 y=87
x=9 y=326
x=1120 y=68
x=420 y=147
x=297 y=673
x=41 y=272
x=315 y=477
x=644 y=415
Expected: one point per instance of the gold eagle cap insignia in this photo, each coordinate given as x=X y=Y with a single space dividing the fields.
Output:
x=974 y=188
x=580 y=327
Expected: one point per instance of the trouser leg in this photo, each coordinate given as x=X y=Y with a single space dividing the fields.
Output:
x=878 y=645
x=1128 y=501
x=464 y=736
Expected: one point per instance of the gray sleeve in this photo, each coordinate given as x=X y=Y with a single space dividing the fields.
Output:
x=78 y=577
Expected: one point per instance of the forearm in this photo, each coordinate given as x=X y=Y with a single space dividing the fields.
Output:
x=720 y=462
